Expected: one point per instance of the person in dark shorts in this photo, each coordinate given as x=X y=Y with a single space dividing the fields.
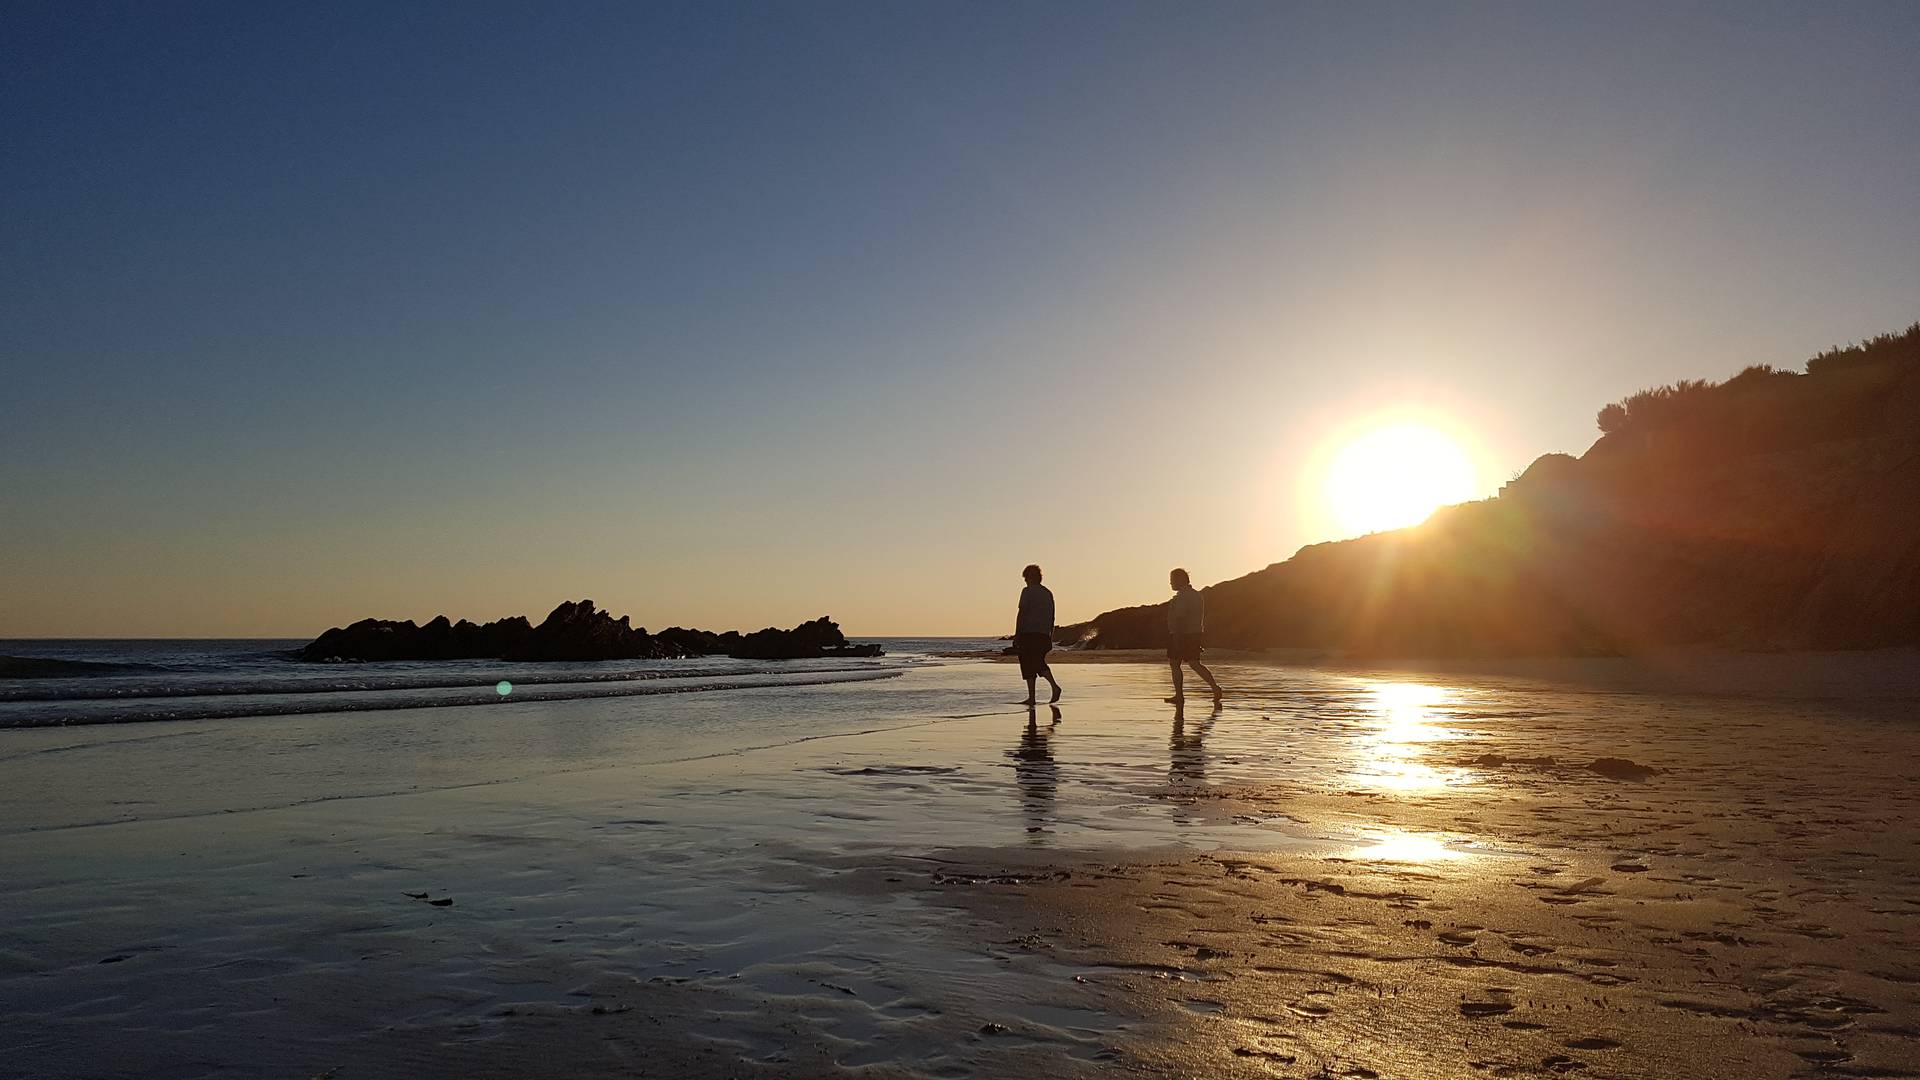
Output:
x=1186 y=626
x=1033 y=633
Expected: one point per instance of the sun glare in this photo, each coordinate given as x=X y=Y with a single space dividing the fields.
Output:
x=1395 y=476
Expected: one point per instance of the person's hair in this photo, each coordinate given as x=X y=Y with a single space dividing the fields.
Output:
x=1032 y=572
x=1179 y=574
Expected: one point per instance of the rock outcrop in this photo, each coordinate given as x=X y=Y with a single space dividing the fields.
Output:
x=821 y=637
x=574 y=631
x=700 y=642
x=386 y=639
x=1772 y=511
x=580 y=631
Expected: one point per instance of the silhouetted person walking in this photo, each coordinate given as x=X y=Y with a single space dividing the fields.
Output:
x=1033 y=633
x=1186 y=623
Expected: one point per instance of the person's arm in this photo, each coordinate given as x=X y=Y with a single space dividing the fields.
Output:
x=1020 y=613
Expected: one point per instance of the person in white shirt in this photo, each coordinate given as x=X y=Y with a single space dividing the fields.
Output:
x=1033 y=633
x=1186 y=623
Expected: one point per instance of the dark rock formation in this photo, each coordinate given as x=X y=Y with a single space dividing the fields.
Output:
x=574 y=631
x=821 y=637
x=580 y=631
x=385 y=639
x=700 y=642
x=1775 y=510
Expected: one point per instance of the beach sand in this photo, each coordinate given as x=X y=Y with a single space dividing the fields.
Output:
x=1340 y=873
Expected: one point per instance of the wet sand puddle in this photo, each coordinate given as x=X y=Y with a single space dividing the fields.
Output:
x=1331 y=876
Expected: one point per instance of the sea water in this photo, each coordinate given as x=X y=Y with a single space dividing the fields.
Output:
x=193 y=679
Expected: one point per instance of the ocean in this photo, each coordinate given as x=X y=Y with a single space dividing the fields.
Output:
x=137 y=680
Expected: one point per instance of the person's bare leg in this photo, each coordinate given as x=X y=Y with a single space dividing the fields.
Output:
x=1179 y=683
x=1029 y=700
x=1048 y=672
x=1201 y=670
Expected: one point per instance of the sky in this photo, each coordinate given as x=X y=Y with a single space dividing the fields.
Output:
x=735 y=314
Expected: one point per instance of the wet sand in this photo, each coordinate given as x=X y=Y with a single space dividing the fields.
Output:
x=1338 y=874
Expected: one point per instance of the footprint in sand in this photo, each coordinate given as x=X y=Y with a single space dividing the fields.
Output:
x=1271 y=1055
x=1592 y=1042
x=1478 y=1009
x=1455 y=937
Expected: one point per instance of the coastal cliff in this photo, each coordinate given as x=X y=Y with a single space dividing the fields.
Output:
x=575 y=630
x=1776 y=510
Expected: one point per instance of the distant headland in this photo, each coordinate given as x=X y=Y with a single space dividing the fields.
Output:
x=576 y=630
x=1776 y=510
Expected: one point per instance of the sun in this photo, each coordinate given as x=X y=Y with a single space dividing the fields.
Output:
x=1394 y=476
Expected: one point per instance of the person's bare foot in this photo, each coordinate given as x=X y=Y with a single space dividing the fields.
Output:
x=1175 y=700
x=1029 y=701
x=1055 y=697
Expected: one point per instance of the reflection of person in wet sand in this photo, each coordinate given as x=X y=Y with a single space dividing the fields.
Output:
x=1033 y=633
x=1034 y=771
x=1186 y=624
x=1186 y=754
x=1187 y=763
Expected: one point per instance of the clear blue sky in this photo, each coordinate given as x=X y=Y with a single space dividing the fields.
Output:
x=734 y=314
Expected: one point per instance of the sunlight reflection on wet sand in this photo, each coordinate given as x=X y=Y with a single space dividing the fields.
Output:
x=1397 y=846
x=1391 y=756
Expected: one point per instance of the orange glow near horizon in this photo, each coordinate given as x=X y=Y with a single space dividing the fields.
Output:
x=1394 y=475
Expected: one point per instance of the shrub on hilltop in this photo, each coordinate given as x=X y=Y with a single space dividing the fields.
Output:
x=1840 y=396
x=1884 y=350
